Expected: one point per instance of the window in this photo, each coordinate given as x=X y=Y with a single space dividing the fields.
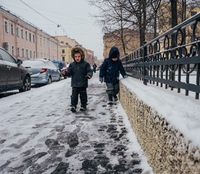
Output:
x=22 y=34
x=30 y=37
x=17 y=32
x=30 y=54
x=17 y=52
x=40 y=41
x=23 y=52
x=26 y=53
x=33 y=38
x=44 y=42
x=63 y=58
x=6 y=27
x=26 y=35
x=13 y=50
x=63 y=51
x=12 y=29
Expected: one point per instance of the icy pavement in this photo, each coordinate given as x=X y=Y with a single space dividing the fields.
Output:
x=39 y=134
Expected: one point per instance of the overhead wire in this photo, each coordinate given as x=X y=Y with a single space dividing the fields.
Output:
x=58 y=25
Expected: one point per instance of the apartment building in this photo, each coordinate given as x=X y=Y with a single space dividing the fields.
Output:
x=67 y=44
x=90 y=56
x=25 y=41
x=131 y=40
x=164 y=14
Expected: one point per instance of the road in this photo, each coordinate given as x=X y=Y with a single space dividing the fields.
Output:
x=39 y=134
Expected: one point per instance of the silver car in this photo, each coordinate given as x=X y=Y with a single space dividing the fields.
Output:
x=42 y=71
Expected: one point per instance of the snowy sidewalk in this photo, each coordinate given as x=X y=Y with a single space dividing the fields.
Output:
x=39 y=134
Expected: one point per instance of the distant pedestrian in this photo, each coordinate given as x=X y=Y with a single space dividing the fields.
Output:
x=94 y=67
x=109 y=73
x=80 y=71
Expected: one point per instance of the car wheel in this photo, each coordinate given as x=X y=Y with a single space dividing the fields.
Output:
x=26 y=84
x=49 y=80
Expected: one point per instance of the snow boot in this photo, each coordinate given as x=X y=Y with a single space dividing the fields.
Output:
x=73 y=109
x=115 y=98
x=110 y=103
x=110 y=99
x=83 y=108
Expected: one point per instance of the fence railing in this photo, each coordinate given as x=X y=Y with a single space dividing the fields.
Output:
x=172 y=60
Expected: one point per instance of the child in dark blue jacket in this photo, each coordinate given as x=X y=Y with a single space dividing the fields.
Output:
x=109 y=73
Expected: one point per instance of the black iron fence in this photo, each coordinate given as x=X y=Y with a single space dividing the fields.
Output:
x=172 y=60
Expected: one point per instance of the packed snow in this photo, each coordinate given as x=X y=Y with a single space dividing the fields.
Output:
x=39 y=134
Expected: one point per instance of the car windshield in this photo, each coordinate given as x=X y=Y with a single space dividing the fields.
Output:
x=56 y=63
x=34 y=63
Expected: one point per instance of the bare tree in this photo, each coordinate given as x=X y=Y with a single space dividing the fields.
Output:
x=137 y=16
x=127 y=14
x=112 y=15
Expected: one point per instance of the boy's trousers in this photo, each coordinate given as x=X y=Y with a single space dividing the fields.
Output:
x=76 y=91
x=112 y=90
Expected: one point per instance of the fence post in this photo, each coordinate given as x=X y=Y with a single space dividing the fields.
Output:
x=144 y=60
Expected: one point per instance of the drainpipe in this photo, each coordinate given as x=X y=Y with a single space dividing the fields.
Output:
x=15 y=37
x=36 y=43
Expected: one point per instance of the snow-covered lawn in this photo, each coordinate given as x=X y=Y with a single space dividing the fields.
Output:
x=39 y=134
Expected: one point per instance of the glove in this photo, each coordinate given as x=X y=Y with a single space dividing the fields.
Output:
x=101 y=79
x=88 y=77
x=125 y=76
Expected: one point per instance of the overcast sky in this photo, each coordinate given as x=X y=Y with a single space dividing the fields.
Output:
x=76 y=18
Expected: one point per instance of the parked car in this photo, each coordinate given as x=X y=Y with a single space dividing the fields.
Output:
x=12 y=74
x=62 y=67
x=42 y=71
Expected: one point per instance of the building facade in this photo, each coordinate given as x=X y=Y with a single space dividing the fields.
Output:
x=67 y=44
x=164 y=14
x=25 y=41
x=131 y=40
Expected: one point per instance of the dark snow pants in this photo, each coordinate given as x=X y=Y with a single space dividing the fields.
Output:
x=83 y=96
x=112 y=90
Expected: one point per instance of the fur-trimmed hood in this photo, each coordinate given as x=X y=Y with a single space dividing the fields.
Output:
x=77 y=50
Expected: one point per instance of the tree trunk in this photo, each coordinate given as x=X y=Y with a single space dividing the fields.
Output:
x=122 y=40
x=173 y=13
x=173 y=19
x=122 y=33
x=183 y=19
x=142 y=21
x=155 y=25
x=173 y=43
